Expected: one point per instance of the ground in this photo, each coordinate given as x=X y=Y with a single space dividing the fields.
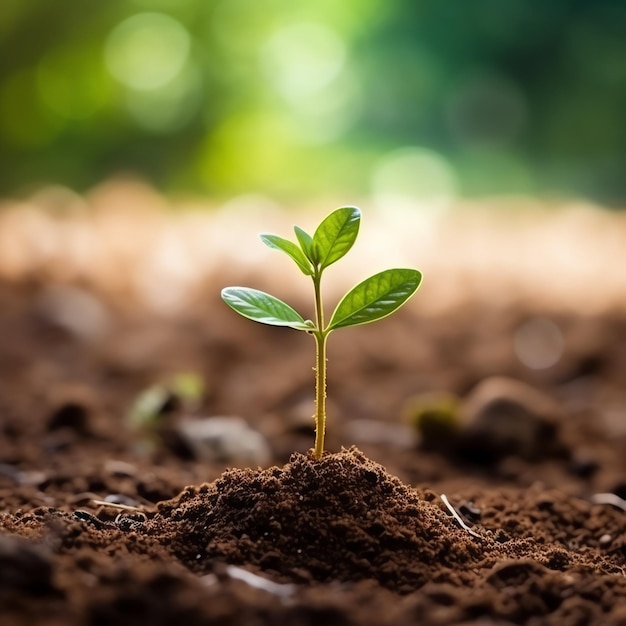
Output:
x=511 y=410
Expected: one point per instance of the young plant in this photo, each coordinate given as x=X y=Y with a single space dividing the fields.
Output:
x=374 y=298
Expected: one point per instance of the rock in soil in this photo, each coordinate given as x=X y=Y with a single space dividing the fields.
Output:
x=502 y=417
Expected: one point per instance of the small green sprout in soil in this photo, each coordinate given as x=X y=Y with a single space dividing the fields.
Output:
x=153 y=406
x=376 y=297
x=184 y=390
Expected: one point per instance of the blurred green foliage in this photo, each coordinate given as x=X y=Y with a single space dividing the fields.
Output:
x=293 y=98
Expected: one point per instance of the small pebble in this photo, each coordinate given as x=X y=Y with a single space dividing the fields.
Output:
x=120 y=498
x=72 y=407
x=120 y=469
x=128 y=522
x=503 y=417
x=224 y=440
x=76 y=311
x=84 y=516
x=470 y=511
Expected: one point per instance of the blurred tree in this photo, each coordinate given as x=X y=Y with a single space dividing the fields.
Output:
x=228 y=96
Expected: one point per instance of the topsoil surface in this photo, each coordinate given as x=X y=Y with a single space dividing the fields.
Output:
x=103 y=522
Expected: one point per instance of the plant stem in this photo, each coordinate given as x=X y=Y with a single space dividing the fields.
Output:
x=320 y=370
x=320 y=394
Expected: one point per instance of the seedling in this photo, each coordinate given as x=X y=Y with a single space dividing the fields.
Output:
x=374 y=298
x=152 y=408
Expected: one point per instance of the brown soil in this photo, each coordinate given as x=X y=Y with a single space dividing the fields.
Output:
x=361 y=537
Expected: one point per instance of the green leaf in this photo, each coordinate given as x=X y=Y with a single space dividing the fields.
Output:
x=335 y=235
x=290 y=248
x=262 y=307
x=148 y=407
x=376 y=297
x=306 y=243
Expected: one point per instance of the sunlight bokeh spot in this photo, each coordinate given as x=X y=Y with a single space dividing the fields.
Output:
x=170 y=107
x=302 y=59
x=147 y=50
x=328 y=115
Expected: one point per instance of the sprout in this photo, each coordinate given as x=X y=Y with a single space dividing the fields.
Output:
x=374 y=298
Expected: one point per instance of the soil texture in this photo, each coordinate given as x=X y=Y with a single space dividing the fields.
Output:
x=461 y=485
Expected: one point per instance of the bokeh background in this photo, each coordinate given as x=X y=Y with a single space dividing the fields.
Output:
x=397 y=100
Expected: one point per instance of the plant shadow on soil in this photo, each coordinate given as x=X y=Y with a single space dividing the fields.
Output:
x=336 y=541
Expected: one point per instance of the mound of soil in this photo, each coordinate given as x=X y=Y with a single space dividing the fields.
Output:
x=339 y=519
x=344 y=518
